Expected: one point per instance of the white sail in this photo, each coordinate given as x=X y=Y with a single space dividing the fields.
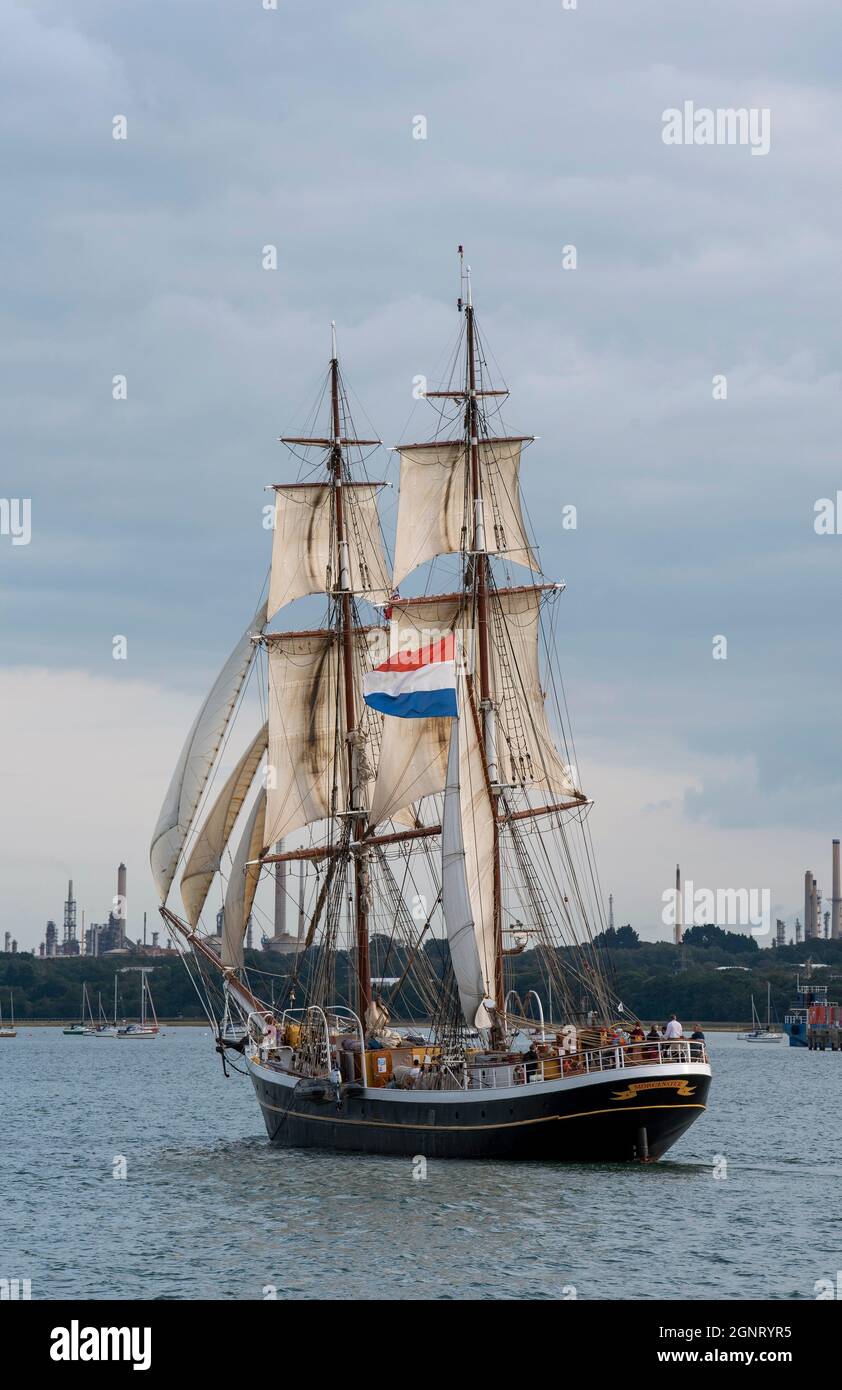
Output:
x=526 y=751
x=304 y=542
x=197 y=758
x=303 y=713
x=206 y=854
x=413 y=752
x=467 y=858
x=434 y=515
x=242 y=884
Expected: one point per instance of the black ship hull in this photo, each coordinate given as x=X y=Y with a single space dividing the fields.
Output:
x=632 y=1114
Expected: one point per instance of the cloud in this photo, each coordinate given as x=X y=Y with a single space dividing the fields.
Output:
x=293 y=127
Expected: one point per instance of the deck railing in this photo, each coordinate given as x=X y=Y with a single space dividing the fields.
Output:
x=493 y=1075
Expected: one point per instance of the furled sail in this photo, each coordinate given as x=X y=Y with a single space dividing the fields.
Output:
x=206 y=855
x=242 y=884
x=413 y=752
x=197 y=759
x=433 y=512
x=304 y=542
x=467 y=857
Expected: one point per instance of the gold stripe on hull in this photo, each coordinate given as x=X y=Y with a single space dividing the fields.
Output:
x=456 y=1129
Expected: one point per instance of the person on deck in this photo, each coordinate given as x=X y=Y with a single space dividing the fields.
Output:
x=673 y=1033
x=530 y=1060
x=697 y=1035
x=653 y=1036
x=636 y=1037
x=269 y=1040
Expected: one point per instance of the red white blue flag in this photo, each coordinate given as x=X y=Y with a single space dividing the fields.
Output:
x=416 y=685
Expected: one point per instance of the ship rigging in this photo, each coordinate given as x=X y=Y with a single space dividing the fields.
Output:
x=470 y=829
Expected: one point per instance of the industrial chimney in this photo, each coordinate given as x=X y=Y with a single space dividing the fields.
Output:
x=280 y=914
x=836 y=899
x=679 y=934
x=808 y=904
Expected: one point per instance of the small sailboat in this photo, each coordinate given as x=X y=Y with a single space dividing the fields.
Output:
x=759 y=1033
x=11 y=1031
x=82 y=1029
x=106 y=1029
x=143 y=1029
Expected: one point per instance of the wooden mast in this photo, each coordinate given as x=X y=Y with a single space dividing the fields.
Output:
x=480 y=573
x=346 y=633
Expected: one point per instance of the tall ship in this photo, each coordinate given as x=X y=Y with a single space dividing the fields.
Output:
x=415 y=760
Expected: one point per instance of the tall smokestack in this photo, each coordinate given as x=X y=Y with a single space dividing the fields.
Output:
x=836 y=900
x=808 y=904
x=302 y=869
x=280 y=893
x=121 y=892
x=679 y=934
x=814 y=910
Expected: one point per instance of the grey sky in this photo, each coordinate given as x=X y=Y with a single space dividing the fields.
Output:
x=294 y=127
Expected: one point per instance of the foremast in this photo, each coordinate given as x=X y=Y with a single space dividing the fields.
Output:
x=342 y=598
x=458 y=496
x=479 y=570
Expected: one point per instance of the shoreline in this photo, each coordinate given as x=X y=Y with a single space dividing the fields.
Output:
x=21 y=1023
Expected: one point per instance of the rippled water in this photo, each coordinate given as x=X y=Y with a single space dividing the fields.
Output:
x=208 y=1209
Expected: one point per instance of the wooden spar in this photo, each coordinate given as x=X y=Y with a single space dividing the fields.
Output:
x=327 y=444
x=267 y=638
x=460 y=395
x=476 y=495
x=443 y=443
x=420 y=832
x=292 y=487
x=320 y=852
x=343 y=573
x=544 y=810
x=200 y=946
x=317 y=913
x=480 y=571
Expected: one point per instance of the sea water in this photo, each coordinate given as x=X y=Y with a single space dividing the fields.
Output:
x=137 y=1170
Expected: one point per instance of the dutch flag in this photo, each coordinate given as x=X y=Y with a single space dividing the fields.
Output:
x=416 y=685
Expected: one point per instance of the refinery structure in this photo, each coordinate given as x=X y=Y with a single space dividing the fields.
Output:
x=818 y=925
x=111 y=937
x=106 y=938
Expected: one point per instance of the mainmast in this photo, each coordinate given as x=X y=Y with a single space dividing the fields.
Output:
x=346 y=637
x=479 y=570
